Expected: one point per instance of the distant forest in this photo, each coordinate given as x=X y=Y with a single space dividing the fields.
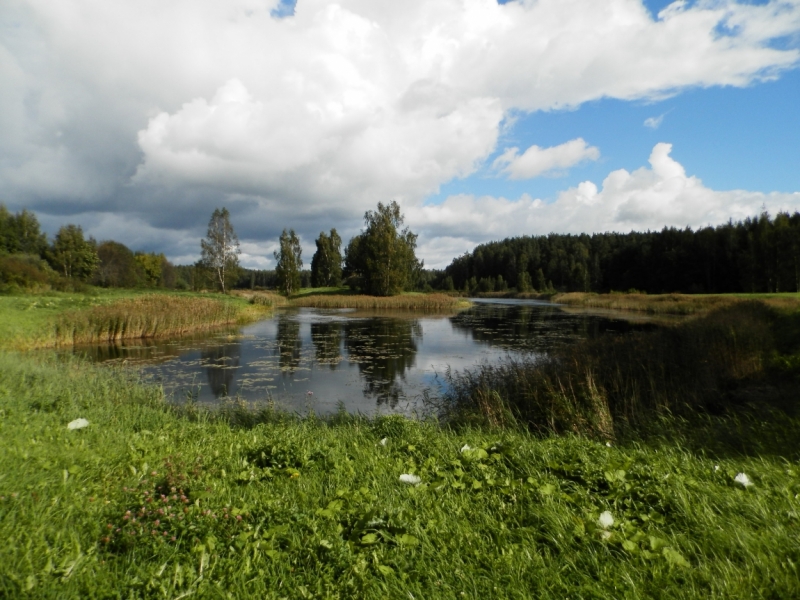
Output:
x=761 y=254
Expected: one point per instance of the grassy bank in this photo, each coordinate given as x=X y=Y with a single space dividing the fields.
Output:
x=409 y=301
x=50 y=319
x=144 y=502
x=675 y=304
x=745 y=353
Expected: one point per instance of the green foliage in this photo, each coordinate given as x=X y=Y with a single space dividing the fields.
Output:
x=326 y=265
x=20 y=233
x=118 y=266
x=382 y=257
x=149 y=502
x=25 y=271
x=290 y=262
x=72 y=255
x=220 y=250
x=759 y=254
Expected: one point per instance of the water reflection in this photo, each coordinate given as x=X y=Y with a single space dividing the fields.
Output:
x=307 y=359
x=220 y=365
x=383 y=349
x=288 y=343
x=327 y=340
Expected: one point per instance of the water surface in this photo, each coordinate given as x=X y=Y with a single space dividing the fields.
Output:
x=369 y=362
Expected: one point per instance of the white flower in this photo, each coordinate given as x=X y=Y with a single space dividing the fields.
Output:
x=716 y=468
x=743 y=479
x=410 y=479
x=78 y=424
x=383 y=441
x=606 y=520
x=608 y=444
x=465 y=447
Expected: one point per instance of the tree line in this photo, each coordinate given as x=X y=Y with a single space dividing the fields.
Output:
x=71 y=260
x=760 y=254
x=380 y=260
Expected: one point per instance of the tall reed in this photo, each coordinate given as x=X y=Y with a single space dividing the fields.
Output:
x=402 y=302
x=148 y=316
x=598 y=385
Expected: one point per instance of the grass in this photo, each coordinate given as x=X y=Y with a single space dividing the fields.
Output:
x=676 y=304
x=53 y=318
x=264 y=505
x=744 y=353
x=408 y=301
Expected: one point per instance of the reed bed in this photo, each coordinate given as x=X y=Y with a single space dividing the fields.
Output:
x=598 y=387
x=676 y=304
x=427 y=302
x=149 y=316
x=261 y=298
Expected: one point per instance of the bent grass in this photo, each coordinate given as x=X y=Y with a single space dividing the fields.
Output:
x=147 y=501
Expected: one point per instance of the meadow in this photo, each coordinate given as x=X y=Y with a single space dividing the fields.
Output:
x=659 y=464
x=108 y=492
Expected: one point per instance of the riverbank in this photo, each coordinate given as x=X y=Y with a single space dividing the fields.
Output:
x=334 y=298
x=666 y=304
x=55 y=318
x=743 y=355
x=142 y=500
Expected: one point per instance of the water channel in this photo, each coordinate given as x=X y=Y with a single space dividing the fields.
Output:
x=369 y=362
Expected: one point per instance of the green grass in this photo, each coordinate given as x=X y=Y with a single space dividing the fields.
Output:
x=279 y=507
x=41 y=320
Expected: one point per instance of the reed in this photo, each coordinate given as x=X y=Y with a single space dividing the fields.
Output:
x=598 y=387
x=149 y=316
x=676 y=304
x=426 y=302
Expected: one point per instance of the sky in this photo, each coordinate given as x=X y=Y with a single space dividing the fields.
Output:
x=482 y=119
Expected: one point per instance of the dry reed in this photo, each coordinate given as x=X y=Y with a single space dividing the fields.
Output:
x=427 y=302
x=676 y=304
x=149 y=317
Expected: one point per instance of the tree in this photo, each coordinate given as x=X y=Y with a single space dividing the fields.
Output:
x=326 y=265
x=383 y=255
x=220 y=249
x=71 y=254
x=118 y=266
x=20 y=233
x=289 y=263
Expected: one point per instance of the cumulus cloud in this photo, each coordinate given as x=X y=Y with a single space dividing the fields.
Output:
x=164 y=109
x=646 y=199
x=536 y=161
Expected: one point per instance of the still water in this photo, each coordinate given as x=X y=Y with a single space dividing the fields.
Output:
x=369 y=362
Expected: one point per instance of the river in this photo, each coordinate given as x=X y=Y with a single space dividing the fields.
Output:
x=365 y=361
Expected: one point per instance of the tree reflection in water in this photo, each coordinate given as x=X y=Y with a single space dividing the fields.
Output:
x=289 y=344
x=327 y=340
x=383 y=349
x=220 y=364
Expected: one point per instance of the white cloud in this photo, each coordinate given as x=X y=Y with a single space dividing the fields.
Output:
x=645 y=199
x=164 y=109
x=654 y=122
x=537 y=161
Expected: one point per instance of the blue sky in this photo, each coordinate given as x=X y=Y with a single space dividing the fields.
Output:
x=136 y=121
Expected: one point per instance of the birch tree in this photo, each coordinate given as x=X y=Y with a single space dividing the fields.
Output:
x=220 y=249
